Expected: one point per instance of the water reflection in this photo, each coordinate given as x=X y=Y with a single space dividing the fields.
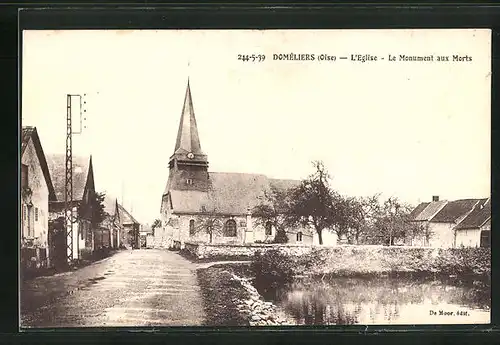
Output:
x=344 y=301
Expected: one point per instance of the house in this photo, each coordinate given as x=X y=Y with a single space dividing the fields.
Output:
x=37 y=191
x=83 y=191
x=475 y=229
x=439 y=220
x=111 y=222
x=211 y=207
x=129 y=228
x=146 y=236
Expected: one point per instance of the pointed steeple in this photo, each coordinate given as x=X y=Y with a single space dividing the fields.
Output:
x=90 y=176
x=187 y=147
x=187 y=136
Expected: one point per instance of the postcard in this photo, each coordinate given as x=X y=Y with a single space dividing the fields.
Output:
x=255 y=178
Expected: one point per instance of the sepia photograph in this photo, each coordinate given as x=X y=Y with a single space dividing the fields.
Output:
x=258 y=178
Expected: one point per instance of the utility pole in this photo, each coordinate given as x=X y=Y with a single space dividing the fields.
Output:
x=69 y=215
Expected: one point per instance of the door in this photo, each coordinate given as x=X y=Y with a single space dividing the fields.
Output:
x=485 y=238
x=57 y=243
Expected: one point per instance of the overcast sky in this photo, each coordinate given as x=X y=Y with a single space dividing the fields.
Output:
x=406 y=129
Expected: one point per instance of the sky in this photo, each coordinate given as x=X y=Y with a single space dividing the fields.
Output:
x=405 y=129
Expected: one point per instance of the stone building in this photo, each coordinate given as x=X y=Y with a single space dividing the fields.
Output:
x=129 y=228
x=212 y=207
x=450 y=224
x=37 y=191
x=475 y=229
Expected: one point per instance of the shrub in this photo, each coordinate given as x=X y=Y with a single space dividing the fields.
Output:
x=86 y=254
x=280 y=237
x=272 y=268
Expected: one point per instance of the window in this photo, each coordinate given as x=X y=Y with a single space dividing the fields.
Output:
x=25 y=211
x=189 y=181
x=269 y=229
x=191 y=227
x=230 y=228
x=24 y=175
x=36 y=214
x=299 y=236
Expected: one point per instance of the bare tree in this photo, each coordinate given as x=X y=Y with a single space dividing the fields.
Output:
x=311 y=203
x=274 y=209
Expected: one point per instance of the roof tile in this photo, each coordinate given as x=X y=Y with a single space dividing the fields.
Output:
x=454 y=210
x=479 y=216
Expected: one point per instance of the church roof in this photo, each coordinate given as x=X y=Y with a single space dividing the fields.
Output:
x=188 y=139
x=229 y=193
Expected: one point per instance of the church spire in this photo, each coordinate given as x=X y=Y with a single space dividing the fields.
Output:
x=187 y=146
x=187 y=136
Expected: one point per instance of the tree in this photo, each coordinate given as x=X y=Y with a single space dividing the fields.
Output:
x=156 y=224
x=274 y=210
x=349 y=217
x=391 y=221
x=94 y=211
x=419 y=229
x=98 y=210
x=312 y=202
x=209 y=223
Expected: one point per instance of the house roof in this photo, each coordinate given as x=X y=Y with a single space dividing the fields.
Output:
x=429 y=210
x=478 y=217
x=125 y=216
x=110 y=204
x=30 y=133
x=453 y=210
x=229 y=193
x=417 y=210
x=57 y=167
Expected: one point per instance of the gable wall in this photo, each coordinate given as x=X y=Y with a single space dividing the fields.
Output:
x=40 y=198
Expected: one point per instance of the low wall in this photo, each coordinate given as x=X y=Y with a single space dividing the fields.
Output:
x=240 y=251
x=348 y=259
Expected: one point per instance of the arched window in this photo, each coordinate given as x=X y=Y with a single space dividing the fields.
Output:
x=230 y=228
x=191 y=227
x=299 y=236
x=269 y=229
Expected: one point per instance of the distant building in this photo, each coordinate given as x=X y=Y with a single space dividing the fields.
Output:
x=146 y=236
x=37 y=191
x=211 y=207
x=83 y=190
x=444 y=222
x=112 y=224
x=129 y=229
x=475 y=229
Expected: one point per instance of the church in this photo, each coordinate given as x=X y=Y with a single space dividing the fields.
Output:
x=212 y=207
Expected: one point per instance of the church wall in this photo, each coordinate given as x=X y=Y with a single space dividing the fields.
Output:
x=202 y=236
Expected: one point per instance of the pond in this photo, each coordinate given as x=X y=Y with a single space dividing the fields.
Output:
x=382 y=301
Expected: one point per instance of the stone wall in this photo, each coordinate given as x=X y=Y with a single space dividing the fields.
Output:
x=240 y=251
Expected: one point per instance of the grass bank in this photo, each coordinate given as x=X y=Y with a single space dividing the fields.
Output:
x=220 y=295
x=281 y=266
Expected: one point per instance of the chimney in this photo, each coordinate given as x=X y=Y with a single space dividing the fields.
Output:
x=435 y=198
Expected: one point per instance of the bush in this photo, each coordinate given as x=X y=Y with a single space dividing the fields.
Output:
x=101 y=253
x=86 y=254
x=280 y=237
x=272 y=268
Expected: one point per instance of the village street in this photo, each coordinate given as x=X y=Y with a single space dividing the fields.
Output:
x=130 y=288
